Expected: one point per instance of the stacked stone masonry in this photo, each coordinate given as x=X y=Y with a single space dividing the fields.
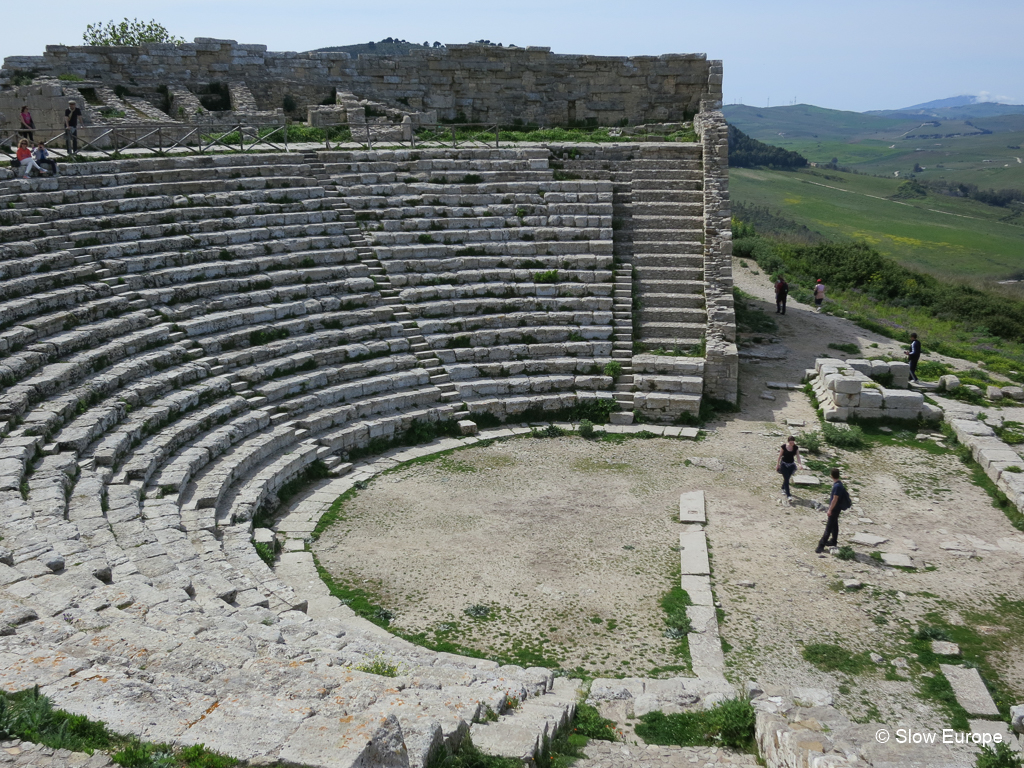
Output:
x=850 y=389
x=528 y=84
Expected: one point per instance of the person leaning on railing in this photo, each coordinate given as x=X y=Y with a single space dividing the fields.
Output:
x=71 y=117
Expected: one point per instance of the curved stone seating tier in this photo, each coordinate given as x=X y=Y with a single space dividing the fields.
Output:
x=182 y=337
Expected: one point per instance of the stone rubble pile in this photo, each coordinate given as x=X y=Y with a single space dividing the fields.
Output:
x=848 y=389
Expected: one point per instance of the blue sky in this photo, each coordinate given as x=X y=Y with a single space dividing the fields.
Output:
x=856 y=56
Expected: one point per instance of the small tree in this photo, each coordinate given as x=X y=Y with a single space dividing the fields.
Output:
x=133 y=32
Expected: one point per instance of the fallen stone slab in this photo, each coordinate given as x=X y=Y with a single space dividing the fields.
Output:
x=867 y=539
x=795 y=423
x=767 y=396
x=944 y=648
x=970 y=690
x=805 y=480
x=897 y=559
x=852 y=584
x=691 y=507
x=995 y=729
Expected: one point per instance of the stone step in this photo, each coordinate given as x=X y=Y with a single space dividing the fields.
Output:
x=666 y=185
x=658 y=294
x=667 y=196
x=660 y=221
x=647 y=273
x=656 y=315
x=644 y=236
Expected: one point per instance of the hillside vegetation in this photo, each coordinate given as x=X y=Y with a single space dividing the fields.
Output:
x=882 y=295
x=951 y=237
x=985 y=151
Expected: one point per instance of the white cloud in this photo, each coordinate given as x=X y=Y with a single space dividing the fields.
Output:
x=985 y=96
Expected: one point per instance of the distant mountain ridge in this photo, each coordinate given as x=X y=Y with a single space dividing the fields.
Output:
x=952 y=101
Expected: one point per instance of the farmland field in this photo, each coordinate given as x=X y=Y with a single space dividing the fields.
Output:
x=946 y=236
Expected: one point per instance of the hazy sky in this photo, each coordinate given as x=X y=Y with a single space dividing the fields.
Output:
x=857 y=56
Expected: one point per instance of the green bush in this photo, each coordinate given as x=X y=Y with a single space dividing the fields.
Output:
x=851 y=438
x=588 y=722
x=1002 y=756
x=810 y=441
x=728 y=724
x=613 y=368
x=586 y=429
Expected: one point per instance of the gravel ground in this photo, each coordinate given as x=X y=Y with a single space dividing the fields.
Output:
x=571 y=543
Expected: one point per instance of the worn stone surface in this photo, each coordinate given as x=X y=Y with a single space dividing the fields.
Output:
x=970 y=690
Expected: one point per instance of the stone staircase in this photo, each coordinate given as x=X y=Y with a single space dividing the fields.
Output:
x=667 y=252
x=389 y=295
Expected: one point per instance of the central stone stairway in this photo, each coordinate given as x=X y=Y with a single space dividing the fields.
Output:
x=668 y=255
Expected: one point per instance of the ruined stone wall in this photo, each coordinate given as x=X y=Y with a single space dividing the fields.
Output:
x=721 y=369
x=483 y=83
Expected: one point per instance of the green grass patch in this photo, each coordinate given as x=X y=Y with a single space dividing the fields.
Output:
x=834 y=658
x=728 y=724
x=850 y=349
x=30 y=716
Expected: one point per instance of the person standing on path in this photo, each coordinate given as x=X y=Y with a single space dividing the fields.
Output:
x=913 y=356
x=819 y=295
x=789 y=459
x=838 y=502
x=781 y=292
x=71 y=117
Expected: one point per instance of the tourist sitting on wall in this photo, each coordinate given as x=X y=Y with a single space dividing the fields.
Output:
x=27 y=163
x=42 y=157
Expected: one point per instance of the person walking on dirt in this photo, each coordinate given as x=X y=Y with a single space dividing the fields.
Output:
x=913 y=356
x=781 y=292
x=838 y=502
x=789 y=459
x=819 y=295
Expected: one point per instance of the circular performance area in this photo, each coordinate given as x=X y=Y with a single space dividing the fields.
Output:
x=553 y=552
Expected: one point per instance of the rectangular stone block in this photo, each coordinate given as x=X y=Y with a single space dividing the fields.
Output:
x=970 y=690
x=691 y=507
x=699 y=589
x=693 y=554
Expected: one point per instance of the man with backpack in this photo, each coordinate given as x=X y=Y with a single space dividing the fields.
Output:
x=839 y=501
x=781 y=292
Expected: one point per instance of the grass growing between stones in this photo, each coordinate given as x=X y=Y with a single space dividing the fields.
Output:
x=30 y=716
x=987 y=638
x=728 y=724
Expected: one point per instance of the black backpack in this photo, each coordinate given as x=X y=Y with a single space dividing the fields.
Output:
x=845 y=502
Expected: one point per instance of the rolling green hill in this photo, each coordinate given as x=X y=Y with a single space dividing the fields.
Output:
x=984 y=150
x=946 y=236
